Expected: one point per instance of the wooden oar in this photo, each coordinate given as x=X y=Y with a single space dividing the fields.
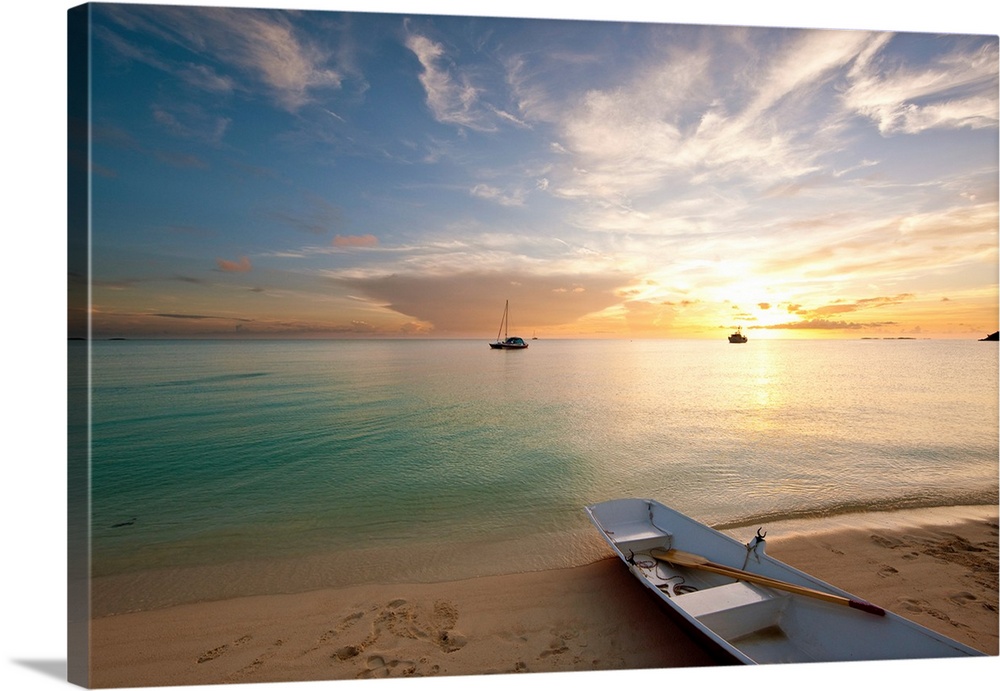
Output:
x=691 y=560
x=695 y=561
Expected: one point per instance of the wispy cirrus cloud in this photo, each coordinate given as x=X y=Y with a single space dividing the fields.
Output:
x=260 y=48
x=451 y=90
x=957 y=90
x=191 y=122
x=683 y=118
x=895 y=248
x=450 y=96
x=498 y=195
x=269 y=47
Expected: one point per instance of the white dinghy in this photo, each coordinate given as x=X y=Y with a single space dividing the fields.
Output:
x=749 y=607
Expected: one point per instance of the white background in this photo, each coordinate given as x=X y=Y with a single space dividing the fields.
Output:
x=33 y=249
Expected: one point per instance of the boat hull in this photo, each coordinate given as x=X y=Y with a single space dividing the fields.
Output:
x=512 y=343
x=746 y=622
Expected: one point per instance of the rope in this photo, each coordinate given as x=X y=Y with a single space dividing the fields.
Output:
x=673 y=584
x=649 y=507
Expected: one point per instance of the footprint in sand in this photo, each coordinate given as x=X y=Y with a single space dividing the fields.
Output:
x=887 y=542
x=347 y=652
x=378 y=666
x=555 y=648
x=557 y=645
x=222 y=649
x=247 y=671
x=963 y=598
x=402 y=619
x=212 y=654
x=399 y=619
x=887 y=571
x=921 y=606
x=349 y=621
x=244 y=672
x=345 y=623
x=451 y=642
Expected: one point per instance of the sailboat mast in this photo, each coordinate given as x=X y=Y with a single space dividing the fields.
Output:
x=503 y=322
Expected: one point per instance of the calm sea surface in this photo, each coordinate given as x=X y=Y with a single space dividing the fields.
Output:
x=226 y=468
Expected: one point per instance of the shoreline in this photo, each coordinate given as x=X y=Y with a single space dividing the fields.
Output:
x=930 y=567
x=888 y=519
x=158 y=588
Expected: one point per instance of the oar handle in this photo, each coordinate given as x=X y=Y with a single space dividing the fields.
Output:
x=866 y=607
x=802 y=590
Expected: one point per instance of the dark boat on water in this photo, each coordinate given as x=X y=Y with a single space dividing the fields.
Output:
x=738 y=336
x=508 y=342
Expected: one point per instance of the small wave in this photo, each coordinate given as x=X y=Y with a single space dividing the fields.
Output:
x=217 y=379
x=849 y=508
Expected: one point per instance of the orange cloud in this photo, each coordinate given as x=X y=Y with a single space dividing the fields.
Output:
x=355 y=241
x=840 y=306
x=826 y=324
x=242 y=266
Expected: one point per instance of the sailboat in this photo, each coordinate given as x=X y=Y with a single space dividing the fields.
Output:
x=508 y=342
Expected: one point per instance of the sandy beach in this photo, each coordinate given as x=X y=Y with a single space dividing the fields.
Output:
x=936 y=568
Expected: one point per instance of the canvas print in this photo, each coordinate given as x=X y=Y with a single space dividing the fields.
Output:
x=435 y=346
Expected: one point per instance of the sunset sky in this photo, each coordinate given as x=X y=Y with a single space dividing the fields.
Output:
x=320 y=174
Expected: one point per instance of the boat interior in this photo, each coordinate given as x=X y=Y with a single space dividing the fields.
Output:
x=752 y=618
x=748 y=619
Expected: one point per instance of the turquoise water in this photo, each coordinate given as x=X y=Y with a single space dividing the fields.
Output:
x=284 y=465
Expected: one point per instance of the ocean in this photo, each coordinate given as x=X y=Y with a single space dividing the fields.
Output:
x=227 y=468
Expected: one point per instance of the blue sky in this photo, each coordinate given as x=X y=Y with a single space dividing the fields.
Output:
x=283 y=173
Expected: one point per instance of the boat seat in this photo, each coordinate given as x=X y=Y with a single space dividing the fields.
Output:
x=639 y=536
x=734 y=609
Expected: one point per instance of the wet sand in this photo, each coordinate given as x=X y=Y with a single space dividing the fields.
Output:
x=939 y=570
